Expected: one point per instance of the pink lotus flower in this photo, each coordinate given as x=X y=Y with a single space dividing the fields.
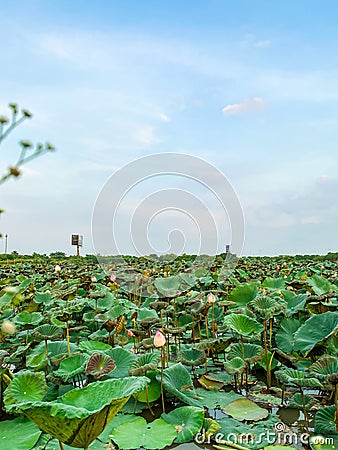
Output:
x=94 y=279
x=130 y=333
x=211 y=298
x=112 y=277
x=159 y=339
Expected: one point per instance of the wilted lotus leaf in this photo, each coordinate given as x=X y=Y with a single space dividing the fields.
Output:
x=77 y=417
x=99 y=365
x=210 y=383
x=146 y=361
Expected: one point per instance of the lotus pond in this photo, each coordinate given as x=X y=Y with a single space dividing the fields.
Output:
x=163 y=353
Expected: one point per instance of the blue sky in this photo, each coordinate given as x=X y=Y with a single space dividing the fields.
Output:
x=249 y=86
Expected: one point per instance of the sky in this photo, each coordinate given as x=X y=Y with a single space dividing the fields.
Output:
x=248 y=87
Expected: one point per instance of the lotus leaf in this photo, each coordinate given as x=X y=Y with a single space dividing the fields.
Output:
x=325 y=421
x=324 y=367
x=296 y=378
x=72 y=366
x=18 y=434
x=235 y=366
x=190 y=356
x=123 y=359
x=155 y=435
x=188 y=421
x=177 y=381
x=152 y=392
x=214 y=399
x=320 y=285
x=94 y=346
x=243 y=294
x=250 y=353
x=147 y=361
x=99 y=365
x=26 y=318
x=77 y=417
x=285 y=336
x=316 y=329
x=245 y=409
x=242 y=324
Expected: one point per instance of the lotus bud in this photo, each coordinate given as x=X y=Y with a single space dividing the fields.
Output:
x=112 y=277
x=57 y=268
x=211 y=298
x=159 y=339
x=94 y=279
x=8 y=327
x=130 y=333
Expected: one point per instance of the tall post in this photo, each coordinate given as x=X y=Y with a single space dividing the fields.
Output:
x=78 y=250
x=6 y=243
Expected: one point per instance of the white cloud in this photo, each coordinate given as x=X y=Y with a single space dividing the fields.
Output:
x=146 y=136
x=252 y=104
x=310 y=220
x=164 y=117
x=264 y=43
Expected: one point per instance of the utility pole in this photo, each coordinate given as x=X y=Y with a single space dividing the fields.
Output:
x=6 y=243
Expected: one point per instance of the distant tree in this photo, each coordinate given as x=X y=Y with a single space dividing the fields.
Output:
x=57 y=255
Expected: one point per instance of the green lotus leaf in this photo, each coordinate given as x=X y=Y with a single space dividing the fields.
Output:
x=94 y=346
x=215 y=399
x=36 y=362
x=316 y=329
x=324 y=367
x=72 y=366
x=18 y=434
x=99 y=365
x=294 y=302
x=250 y=353
x=80 y=415
x=123 y=359
x=177 y=381
x=243 y=294
x=266 y=307
x=320 y=285
x=325 y=421
x=235 y=366
x=26 y=318
x=274 y=284
x=190 y=356
x=285 y=336
x=296 y=401
x=188 y=421
x=146 y=361
x=296 y=378
x=242 y=324
x=26 y=386
x=55 y=348
x=48 y=332
x=245 y=409
x=155 y=435
x=169 y=286
x=152 y=391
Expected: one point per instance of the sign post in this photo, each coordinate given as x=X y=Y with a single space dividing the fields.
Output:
x=77 y=240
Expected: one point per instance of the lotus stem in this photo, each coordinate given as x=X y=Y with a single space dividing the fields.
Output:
x=147 y=398
x=336 y=404
x=304 y=411
x=61 y=446
x=270 y=340
x=68 y=340
x=162 y=365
